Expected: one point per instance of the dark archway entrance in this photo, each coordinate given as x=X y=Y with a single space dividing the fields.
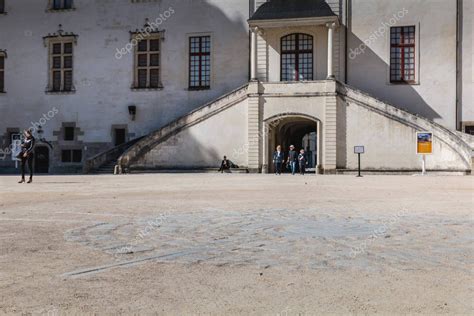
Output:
x=41 y=159
x=299 y=131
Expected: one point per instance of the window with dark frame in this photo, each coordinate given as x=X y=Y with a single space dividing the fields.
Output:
x=71 y=155
x=2 y=73
x=2 y=6
x=199 y=62
x=469 y=129
x=69 y=133
x=296 y=57
x=61 y=67
x=61 y=4
x=402 y=54
x=147 y=61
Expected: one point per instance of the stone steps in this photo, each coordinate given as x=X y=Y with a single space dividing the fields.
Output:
x=197 y=170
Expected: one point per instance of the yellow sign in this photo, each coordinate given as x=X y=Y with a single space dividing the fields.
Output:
x=424 y=143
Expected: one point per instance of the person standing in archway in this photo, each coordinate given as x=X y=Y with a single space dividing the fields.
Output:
x=278 y=159
x=302 y=162
x=26 y=155
x=292 y=158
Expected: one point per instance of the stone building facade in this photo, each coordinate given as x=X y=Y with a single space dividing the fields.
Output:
x=189 y=81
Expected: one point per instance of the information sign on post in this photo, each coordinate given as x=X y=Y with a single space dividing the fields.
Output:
x=424 y=146
x=359 y=150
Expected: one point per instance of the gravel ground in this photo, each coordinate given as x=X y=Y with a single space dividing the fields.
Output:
x=178 y=244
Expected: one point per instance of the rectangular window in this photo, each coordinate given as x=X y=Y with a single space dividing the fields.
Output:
x=2 y=6
x=402 y=54
x=69 y=133
x=120 y=136
x=71 y=156
x=2 y=73
x=77 y=155
x=199 y=62
x=469 y=129
x=61 y=63
x=147 y=64
x=297 y=57
x=66 y=156
x=61 y=4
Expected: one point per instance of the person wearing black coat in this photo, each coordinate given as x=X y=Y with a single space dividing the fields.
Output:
x=278 y=159
x=302 y=162
x=226 y=164
x=27 y=155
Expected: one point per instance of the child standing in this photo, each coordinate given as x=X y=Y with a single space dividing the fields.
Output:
x=302 y=161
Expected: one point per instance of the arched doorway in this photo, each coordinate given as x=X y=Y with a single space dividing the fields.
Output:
x=41 y=159
x=299 y=130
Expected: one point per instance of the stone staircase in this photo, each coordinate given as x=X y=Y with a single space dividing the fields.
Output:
x=105 y=162
x=192 y=118
x=461 y=143
x=469 y=139
x=107 y=168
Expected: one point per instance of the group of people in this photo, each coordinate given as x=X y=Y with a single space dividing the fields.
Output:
x=293 y=159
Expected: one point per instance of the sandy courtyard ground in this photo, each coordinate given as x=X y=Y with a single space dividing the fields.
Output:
x=175 y=244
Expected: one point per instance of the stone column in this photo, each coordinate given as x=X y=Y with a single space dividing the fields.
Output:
x=330 y=129
x=253 y=54
x=254 y=128
x=331 y=27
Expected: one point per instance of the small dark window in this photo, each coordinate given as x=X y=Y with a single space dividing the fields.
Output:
x=2 y=6
x=71 y=156
x=120 y=136
x=69 y=133
x=469 y=129
x=77 y=155
x=66 y=156
x=62 y=4
x=56 y=80
x=2 y=73
x=57 y=48
x=402 y=54
x=199 y=62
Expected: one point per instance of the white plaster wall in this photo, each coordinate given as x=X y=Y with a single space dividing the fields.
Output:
x=102 y=81
x=204 y=144
x=312 y=106
x=435 y=20
x=391 y=145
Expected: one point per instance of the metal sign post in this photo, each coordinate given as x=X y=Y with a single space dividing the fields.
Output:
x=359 y=150
x=423 y=166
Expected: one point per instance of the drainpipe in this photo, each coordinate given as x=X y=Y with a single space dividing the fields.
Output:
x=459 y=74
x=347 y=13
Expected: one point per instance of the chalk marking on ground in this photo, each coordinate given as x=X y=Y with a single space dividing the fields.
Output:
x=42 y=220
x=119 y=264
x=96 y=214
